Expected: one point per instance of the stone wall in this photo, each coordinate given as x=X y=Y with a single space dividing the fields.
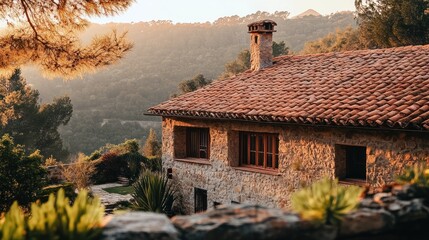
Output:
x=261 y=50
x=393 y=214
x=305 y=154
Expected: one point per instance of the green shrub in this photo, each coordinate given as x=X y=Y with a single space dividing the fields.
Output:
x=21 y=176
x=135 y=163
x=55 y=219
x=418 y=178
x=108 y=168
x=326 y=201
x=153 y=164
x=417 y=175
x=153 y=193
x=118 y=160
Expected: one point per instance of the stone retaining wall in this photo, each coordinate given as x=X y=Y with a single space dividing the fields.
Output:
x=305 y=155
x=388 y=215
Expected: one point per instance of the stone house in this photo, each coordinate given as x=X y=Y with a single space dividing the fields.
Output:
x=360 y=116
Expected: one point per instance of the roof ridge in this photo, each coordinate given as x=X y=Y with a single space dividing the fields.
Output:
x=350 y=52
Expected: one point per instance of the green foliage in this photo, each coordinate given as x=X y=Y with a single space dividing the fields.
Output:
x=242 y=61
x=154 y=164
x=392 y=23
x=280 y=49
x=326 y=201
x=118 y=160
x=347 y=39
x=153 y=193
x=55 y=219
x=30 y=118
x=152 y=147
x=239 y=65
x=417 y=175
x=191 y=85
x=21 y=176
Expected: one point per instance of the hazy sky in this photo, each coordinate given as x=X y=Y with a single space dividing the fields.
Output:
x=210 y=10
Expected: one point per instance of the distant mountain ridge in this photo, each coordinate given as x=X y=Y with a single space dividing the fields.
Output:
x=309 y=12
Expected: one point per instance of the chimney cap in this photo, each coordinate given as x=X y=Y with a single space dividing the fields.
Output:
x=262 y=26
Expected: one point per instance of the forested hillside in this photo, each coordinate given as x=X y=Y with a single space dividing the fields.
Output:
x=164 y=54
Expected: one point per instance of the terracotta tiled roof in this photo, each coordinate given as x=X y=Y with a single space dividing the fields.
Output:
x=387 y=88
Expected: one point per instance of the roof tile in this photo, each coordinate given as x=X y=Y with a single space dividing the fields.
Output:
x=386 y=88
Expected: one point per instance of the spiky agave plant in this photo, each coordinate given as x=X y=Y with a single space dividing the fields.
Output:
x=326 y=201
x=153 y=193
x=418 y=174
x=12 y=225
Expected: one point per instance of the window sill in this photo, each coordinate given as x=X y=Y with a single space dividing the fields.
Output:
x=202 y=161
x=349 y=181
x=258 y=170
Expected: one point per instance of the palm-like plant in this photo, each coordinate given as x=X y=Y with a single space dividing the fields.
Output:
x=326 y=201
x=153 y=193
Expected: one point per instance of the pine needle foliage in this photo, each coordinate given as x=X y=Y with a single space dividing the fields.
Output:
x=393 y=23
x=153 y=193
x=45 y=33
x=326 y=201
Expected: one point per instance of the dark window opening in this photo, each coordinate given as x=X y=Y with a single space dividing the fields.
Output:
x=259 y=150
x=215 y=204
x=197 y=142
x=200 y=200
x=356 y=162
x=267 y=26
x=256 y=39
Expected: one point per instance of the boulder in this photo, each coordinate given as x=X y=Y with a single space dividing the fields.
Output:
x=366 y=221
x=242 y=222
x=140 y=225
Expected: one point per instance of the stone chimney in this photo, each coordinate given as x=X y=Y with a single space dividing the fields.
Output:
x=261 y=44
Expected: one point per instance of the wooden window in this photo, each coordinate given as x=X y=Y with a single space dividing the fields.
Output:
x=200 y=200
x=355 y=162
x=197 y=142
x=259 y=150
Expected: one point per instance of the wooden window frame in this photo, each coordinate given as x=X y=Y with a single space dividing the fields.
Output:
x=350 y=164
x=201 y=137
x=249 y=147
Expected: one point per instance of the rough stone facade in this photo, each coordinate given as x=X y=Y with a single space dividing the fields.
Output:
x=261 y=50
x=305 y=154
